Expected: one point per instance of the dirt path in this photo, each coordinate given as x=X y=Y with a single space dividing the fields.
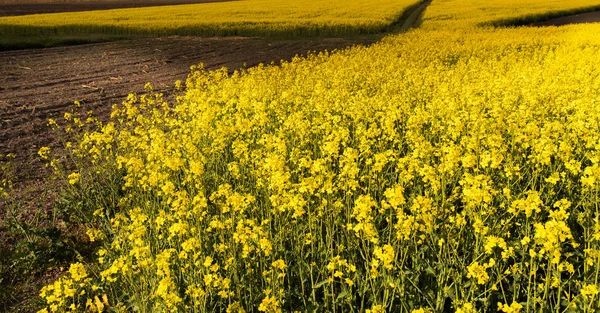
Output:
x=12 y=8
x=591 y=17
x=412 y=18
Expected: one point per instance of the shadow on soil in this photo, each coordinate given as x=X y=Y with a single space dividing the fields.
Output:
x=556 y=18
x=35 y=245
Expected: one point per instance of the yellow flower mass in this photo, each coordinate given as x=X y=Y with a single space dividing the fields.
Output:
x=452 y=167
x=218 y=18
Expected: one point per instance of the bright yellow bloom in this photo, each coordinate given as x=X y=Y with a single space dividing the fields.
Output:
x=478 y=272
x=513 y=308
x=589 y=291
x=73 y=178
x=44 y=152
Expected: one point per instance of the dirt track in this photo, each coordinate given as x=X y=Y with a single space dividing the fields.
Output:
x=591 y=17
x=10 y=8
x=43 y=83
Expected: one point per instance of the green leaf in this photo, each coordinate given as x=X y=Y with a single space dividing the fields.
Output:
x=319 y=284
x=342 y=295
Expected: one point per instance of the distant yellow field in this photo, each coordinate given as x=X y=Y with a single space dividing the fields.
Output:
x=470 y=13
x=248 y=18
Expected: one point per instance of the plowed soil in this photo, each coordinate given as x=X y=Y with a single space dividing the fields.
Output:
x=43 y=83
x=11 y=8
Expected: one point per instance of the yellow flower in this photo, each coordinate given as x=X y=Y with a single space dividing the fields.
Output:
x=513 y=308
x=279 y=264
x=531 y=204
x=385 y=255
x=235 y=307
x=466 y=308
x=493 y=241
x=99 y=305
x=77 y=271
x=269 y=305
x=44 y=152
x=376 y=309
x=478 y=272
x=73 y=178
x=589 y=291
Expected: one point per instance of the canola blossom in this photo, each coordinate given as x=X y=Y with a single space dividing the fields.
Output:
x=230 y=18
x=452 y=168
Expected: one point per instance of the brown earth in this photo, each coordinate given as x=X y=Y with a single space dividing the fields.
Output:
x=11 y=8
x=39 y=84
x=590 y=17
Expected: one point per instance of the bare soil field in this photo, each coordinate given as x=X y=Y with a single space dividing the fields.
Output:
x=43 y=83
x=12 y=8
x=590 y=17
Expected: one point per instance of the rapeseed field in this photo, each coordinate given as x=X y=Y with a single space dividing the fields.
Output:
x=452 y=168
x=231 y=18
